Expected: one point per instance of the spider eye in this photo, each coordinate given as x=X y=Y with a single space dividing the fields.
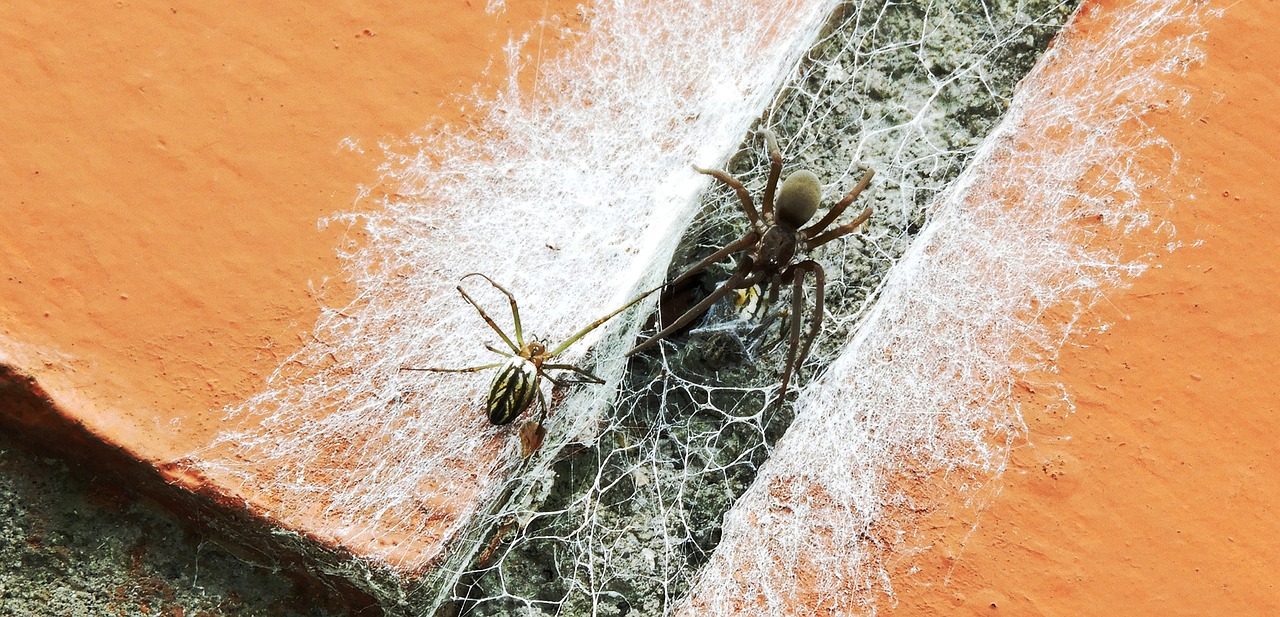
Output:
x=798 y=198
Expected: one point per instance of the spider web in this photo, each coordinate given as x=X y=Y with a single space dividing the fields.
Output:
x=917 y=411
x=907 y=89
x=569 y=197
x=565 y=196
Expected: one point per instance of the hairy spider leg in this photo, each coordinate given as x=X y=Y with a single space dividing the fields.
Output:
x=746 y=241
x=515 y=312
x=742 y=278
x=748 y=206
x=842 y=230
x=793 y=340
x=795 y=352
x=838 y=209
x=775 y=171
x=774 y=284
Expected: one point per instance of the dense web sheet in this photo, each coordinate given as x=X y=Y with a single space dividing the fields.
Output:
x=625 y=520
x=917 y=408
x=572 y=195
x=565 y=196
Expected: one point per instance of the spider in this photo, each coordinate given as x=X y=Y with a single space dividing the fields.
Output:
x=777 y=235
x=518 y=382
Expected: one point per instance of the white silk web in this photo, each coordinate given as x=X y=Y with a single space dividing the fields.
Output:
x=622 y=524
x=918 y=409
x=565 y=196
x=570 y=197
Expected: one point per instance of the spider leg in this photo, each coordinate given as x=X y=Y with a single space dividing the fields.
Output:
x=775 y=170
x=515 y=312
x=774 y=284
x=597 y=323
x=588 y=375
x=759 y=335
x=745 y=242
x=747 y=205
x=842 y=230
x=542 y=406
x=455 y=370
x=796 y=352
x=838 y=209
x=555 y=382
x=793 y=342
x=737 y=281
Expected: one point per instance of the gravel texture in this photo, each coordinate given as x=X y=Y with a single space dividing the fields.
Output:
x=659 y=479
x=72 y=544
x=908 y=89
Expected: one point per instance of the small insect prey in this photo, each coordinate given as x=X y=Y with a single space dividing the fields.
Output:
x=519 y=377
x=778 y=234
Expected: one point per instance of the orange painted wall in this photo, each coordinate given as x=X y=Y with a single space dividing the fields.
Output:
x=164 y=170
x=165 y=167
x=1158 y=495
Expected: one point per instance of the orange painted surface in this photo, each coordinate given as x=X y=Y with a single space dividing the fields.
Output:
x=164 y=169
x=1159 y=494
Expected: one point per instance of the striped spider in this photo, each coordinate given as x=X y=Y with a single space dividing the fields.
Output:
x=519 y=377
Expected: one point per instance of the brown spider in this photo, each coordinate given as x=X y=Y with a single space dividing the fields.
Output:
x=776 y=236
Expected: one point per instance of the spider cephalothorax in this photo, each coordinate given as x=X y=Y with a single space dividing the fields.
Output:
x=778 y=233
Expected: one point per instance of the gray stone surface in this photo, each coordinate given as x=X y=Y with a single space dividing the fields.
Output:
x=909 y=89
x=74 y=545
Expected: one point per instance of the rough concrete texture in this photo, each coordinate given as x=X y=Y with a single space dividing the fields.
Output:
x=835 y=92
x=628 y=522
x=81 y=545
x=165 y=167
x=70 y=546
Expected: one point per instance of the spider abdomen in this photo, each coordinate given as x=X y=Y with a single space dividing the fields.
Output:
x=513 y=390
x=798 y=198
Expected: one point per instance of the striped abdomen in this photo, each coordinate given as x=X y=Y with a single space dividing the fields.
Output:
x=512 y=390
